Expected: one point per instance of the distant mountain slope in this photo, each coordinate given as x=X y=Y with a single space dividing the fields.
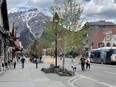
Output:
x=28 y=24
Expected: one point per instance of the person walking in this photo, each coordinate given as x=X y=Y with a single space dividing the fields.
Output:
x=14 y=62
x=36 y=62
x=61 y=55
x=40 y=59
x=23 y=61
x=82 y=61
x=88 y=63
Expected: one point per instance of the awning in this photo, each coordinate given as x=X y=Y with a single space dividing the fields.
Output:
x=17 y=43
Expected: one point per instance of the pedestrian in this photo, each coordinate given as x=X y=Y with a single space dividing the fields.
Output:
x=82 y=61
x=23 y=61
x=61 y=55
x=14 y=62
x=36 y=62
x=88 y=63
x=40 y=59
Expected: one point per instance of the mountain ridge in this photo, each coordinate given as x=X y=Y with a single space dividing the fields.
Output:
x=28 y=24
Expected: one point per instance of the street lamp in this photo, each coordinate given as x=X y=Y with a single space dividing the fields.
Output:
x=55 y=20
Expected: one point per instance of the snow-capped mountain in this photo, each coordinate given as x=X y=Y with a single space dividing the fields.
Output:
x=28 y=24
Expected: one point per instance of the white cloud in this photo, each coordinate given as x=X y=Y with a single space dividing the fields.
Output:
x=13 y=5
x=100 y=10
x=103 y=2
x=93 y=9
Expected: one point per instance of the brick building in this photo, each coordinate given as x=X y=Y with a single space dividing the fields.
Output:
x=99 y=34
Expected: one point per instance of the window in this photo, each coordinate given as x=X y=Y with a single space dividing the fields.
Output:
x=114 y=45
x=108 y=37
x=108 y=45
x=95 y=55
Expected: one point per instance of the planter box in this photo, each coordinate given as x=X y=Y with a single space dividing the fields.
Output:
x=59 y=71
x=48 y=70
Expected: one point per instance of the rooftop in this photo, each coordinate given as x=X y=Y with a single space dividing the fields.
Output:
x=100 y=23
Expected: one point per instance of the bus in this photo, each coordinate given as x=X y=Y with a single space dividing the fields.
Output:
x=102 y=55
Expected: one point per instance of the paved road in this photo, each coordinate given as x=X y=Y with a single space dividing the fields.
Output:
x=99 y=76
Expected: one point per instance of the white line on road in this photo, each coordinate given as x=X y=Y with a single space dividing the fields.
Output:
x=109 y=72
x=108 y=85
x=74 y=79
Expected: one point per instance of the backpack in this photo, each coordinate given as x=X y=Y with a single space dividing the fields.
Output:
x=88 y=62
x=82 y=60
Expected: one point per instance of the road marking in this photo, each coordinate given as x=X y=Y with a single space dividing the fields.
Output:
x=72 y=80
x=88 y=78
x=76 y=78
x=107 y=84
x=103 y=83
x=109 y=72
x=75 y=81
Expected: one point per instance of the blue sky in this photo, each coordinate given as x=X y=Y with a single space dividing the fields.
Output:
x=23 y=8
x=94 y=10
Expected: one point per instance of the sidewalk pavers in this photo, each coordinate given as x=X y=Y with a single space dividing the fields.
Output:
x=27 y=77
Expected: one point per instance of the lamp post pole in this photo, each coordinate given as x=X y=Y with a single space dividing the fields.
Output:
x=56 y=20
x=56 y=45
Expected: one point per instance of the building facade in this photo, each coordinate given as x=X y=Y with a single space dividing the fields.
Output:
x=4 y=35
x=99 y=34
x=8 y=44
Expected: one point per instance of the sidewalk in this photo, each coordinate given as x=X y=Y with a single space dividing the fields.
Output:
x=27 y=77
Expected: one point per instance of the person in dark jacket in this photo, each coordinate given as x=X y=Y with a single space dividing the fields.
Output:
x=82 y=61
x=23 y=61
x=36 y=62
